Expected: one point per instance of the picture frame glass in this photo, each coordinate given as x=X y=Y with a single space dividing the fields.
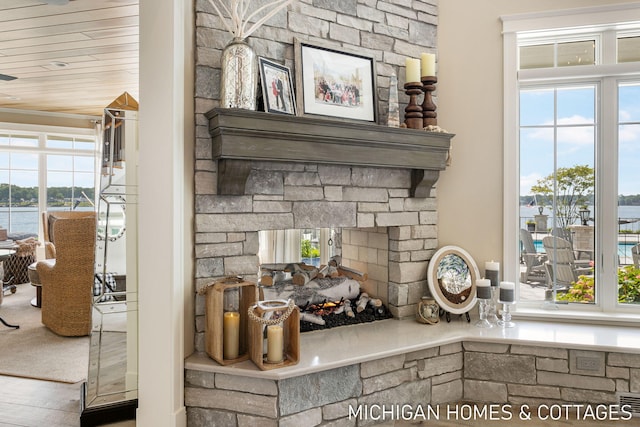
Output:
x=277 y=88
x=336 y=84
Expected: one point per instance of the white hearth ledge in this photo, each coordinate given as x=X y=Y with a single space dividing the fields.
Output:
x=348 y=345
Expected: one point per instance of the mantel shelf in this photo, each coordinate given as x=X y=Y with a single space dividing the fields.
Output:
x=240 y=136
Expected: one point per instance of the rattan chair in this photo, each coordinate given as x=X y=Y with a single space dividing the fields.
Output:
x=67 y=284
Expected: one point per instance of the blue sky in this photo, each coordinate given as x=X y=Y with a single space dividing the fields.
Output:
x=575 y=133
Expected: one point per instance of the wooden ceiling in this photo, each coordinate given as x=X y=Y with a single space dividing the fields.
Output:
x=72 y=58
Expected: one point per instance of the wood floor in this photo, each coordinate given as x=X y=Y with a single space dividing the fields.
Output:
x=34 y=403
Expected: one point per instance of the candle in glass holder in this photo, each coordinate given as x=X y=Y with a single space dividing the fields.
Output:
x=492 y=272
x=507 y=292
x=231 y=334
x=275 y=341
x=483 y=288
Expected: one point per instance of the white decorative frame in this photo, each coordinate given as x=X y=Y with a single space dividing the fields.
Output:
x=336 y=84
x=434 y=274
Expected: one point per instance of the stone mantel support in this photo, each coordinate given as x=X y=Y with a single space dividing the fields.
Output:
x=240 y=136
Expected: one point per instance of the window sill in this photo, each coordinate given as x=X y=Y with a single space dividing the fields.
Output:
x=577 y=316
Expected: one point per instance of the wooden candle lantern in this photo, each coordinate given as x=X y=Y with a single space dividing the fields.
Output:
x=274 y=334
x=226 y=336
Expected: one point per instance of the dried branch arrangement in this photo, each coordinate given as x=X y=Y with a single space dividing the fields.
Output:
x=236 y=16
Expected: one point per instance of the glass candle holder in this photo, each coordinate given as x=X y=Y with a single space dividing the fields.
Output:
x=507 y=299
x=483 y=294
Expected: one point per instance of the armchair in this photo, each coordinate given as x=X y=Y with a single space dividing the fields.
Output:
x=67 y=284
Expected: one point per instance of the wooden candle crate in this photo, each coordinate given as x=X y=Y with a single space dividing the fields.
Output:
x=214 y=318
x=291 y=329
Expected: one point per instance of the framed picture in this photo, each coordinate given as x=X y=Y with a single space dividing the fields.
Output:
x=334 y=83
x=277 y=87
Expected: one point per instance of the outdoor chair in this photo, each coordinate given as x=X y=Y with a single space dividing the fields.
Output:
x=562 y=267
x=533 y=260
x=67 y=284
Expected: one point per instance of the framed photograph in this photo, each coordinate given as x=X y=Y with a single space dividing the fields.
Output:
x=277 y=87
x=335 y=83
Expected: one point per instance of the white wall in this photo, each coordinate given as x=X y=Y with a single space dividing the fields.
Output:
x=470 y=94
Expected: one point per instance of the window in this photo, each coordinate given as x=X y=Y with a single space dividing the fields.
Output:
x=572 y=143
x=44 y=171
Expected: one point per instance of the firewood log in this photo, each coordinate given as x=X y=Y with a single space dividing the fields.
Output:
x=313 y=318
x=276 y=267
x=304 y=276
x=335 y=261
x=353 y=274
x=375 y=302
x=266 y=279
x=333 y=271
x=323 y=271
x=362 y=302
x=348 y=310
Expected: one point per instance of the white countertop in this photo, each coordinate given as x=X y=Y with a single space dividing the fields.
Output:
x=348 y=345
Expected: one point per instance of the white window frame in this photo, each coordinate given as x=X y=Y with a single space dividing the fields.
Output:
x=607 y=21
x=41 y=150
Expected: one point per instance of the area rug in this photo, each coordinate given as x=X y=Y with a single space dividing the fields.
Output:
x=33 y=351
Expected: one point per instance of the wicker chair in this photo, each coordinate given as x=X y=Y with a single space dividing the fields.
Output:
x=67 y=285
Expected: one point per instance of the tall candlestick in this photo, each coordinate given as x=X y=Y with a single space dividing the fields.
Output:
x=428 y=106
x=413 y=111
x=428 y=64
x=231 y=334
x=412 y=70
x=275 y=340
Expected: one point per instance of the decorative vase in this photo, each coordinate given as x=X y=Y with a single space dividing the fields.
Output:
x=239 y=76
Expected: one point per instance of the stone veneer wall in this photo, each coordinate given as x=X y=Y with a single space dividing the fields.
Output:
x=367 y=250
x=283 y=195
x=469 y=371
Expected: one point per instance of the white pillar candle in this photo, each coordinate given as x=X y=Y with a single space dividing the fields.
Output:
x=412 y=70
x=231 y=335
x=507 y=291
x=275 y=341
x=483 y=288
x=492 y=272
x=428 y=63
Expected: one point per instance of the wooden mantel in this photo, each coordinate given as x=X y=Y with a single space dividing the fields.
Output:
x=240 y=136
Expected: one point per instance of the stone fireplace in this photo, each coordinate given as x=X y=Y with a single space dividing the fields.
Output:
x=316 y=174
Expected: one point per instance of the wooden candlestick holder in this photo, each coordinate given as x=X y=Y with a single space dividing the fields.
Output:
x=428 y=107
x=413 y=116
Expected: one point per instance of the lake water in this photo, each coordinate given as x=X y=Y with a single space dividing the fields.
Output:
x=25 y=219
x=624 y=212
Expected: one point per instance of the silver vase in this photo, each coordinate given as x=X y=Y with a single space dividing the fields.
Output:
x=239 y=76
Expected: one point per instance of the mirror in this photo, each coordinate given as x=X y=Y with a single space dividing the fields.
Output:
x=112 y=380
x=452 y=275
